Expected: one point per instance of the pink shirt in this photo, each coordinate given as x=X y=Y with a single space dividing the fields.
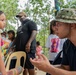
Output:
x=38 y=49
x=1 y=42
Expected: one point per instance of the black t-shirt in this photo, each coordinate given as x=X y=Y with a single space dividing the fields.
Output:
x=69 y=55
x=23 y=34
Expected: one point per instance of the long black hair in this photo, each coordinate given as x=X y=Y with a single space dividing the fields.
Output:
x=52 y=23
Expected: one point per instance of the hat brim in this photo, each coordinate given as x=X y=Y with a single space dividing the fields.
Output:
x=53 y=22
x=18 y=16
x=65 y=21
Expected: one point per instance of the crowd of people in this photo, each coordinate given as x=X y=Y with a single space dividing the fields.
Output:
x=61 y=37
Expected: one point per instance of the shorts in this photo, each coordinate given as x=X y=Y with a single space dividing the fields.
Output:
x=28 y=64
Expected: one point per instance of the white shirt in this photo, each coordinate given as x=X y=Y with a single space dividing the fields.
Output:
x=55 y=45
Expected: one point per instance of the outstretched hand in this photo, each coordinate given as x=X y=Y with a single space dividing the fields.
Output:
x=41 y=62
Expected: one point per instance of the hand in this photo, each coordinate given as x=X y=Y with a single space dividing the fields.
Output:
x=41 y=62
x=27 y=47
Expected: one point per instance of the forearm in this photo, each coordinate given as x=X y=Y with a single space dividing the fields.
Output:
x=33 y=35
x=62 y=67
x=56 y=71
x=2 y=67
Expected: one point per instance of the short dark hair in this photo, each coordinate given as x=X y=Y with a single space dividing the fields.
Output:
x=38 y=43
x=1 y=12
x=11 y=31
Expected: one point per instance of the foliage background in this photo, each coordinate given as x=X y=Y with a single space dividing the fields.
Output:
x=38 y=10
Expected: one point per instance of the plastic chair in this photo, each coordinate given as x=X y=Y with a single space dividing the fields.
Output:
x=17 y=55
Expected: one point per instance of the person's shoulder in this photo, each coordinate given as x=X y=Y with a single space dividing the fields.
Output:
x=63 y=40
x=26 y=20
x=50 y=36
x=67 y=43
x=31 y=21
x=53 y=36
x=32 y=24
x=66 y=46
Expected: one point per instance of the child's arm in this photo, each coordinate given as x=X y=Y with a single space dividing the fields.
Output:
x=2 y=67
x=15 y=71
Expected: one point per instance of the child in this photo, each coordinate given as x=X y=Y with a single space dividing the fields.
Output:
x=2 y=66
x=38 y=48
x=11 y=37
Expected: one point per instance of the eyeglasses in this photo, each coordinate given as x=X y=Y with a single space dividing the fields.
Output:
x=58 y=24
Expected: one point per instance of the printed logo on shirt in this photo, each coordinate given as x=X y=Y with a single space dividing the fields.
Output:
x=54 y=45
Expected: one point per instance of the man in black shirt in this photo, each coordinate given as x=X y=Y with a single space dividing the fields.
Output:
x=69 y=57
x=25 y=40
x=65 y=28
